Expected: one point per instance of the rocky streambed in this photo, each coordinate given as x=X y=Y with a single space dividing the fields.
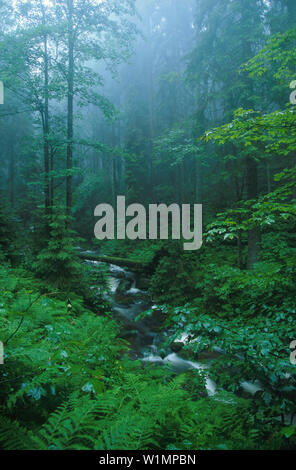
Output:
x=129 y=297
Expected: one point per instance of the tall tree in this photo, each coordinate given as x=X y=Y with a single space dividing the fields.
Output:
x=90 y=31
x=25 y=62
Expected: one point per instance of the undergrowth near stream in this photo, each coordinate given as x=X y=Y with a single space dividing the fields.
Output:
x=68 y=382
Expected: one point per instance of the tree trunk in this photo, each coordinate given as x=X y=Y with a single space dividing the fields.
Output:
x=268 y=177
x=11 y=176
x=291 y=5
x=46 y=115
x=239 y=194
x=254 y=236
x=46 y=142
x=113 y=169
x=51 y=178
x=70 y=108
x=198 y=178
x=151 y=116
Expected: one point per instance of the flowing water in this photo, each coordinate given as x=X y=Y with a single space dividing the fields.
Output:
x=146 y=336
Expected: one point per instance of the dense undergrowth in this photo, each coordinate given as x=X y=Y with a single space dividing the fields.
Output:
x=68 y=383
x=247 y=315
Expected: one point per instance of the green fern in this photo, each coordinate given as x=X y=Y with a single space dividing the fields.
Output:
x=14 y=437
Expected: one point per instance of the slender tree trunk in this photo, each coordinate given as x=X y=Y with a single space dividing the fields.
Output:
x=51 y=178
x=239 y=191
x=151 y=117
x=70 y=108
x=182 y=181
x=113 y=180
x=113 y=169
x=268 y=177
x=122 y=166
x=46 y=115
x=239 y=250
x=198 y=177
x=11 y=176
x=254 y=236
x=291 y=10
x=46 y=132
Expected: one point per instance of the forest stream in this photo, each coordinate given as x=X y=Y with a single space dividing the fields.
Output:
x=146 y=335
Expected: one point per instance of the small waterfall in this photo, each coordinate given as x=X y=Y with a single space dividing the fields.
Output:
x=180 y=365
x=144 y=341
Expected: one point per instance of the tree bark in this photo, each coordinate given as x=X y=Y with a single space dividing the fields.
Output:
x=70 y=108
x=51 y=178
x=11 y=176
x=239 y=194
x=254 y=235
x=46 y=115
x=135 y=265
x=151 y=116
x=113 y=169
x=198 y=178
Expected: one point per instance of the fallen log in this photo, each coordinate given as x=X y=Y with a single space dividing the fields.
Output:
x=134 y=265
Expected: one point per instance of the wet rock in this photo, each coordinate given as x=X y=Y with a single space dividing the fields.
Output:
x=121 y=295
x=158 y=316
x=129 y=334
x=129 y=275
x=124 y=286
x=123 y=299
x=188 y=355
x=162 y=353
x=117 y=272
x=143 y=283
x=200 y=356
x=177 y=346
x=209 y=355
x=137 y=294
